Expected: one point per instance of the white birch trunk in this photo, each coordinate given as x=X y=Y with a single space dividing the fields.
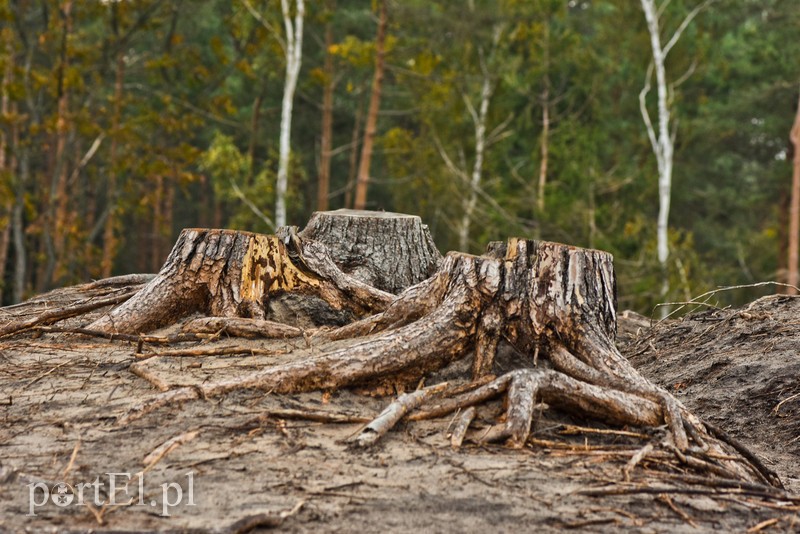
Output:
x=471 y=200
x=662 y=141
x=294 y=55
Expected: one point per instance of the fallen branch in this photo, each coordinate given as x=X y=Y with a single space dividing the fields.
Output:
x=461 y=426
x=141 y=370
x=307 y=415
x=134 y=338
x=242 y=327
x=371 y=433
x=674 y=507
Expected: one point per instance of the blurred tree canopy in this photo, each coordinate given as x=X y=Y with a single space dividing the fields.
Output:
x=122 y=122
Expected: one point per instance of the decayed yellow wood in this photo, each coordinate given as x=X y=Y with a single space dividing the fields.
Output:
x=266 y=268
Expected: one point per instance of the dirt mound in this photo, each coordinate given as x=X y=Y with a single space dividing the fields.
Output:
x=736 y=368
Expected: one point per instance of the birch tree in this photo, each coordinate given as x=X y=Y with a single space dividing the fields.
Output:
x=472 y=179
x=292 y=46
x=662 y=138
x=479 y=121
x=293 y=49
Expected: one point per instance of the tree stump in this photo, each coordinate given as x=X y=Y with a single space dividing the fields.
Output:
x=226 y=273
x=389 y=251
x=291 y=278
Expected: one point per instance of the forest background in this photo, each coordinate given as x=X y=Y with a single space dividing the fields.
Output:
x=122 y=122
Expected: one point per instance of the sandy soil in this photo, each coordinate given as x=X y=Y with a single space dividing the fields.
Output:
x=240 y=456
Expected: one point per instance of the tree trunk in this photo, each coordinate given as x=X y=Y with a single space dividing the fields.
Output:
x=326 y=138
x=7 y=165
x=294 y=55
x=362 y=181
x=793 y=278
x=157 y=224
x=5 y=245
x=544 y=145
x=402 y=256
x=663 y=141
x=61 y=196
x=662 y=144
x=18 y=228
x=110 y=226
x=290 y=278
x=784 y=205
x=544 y=150
x=349 y=190
x=479 y=122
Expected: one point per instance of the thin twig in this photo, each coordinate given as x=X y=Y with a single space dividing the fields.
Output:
x=212 y=351
x=72 y=459
x=371 y=433
x=695 y=301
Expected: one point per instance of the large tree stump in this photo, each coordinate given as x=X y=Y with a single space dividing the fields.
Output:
x=225 y=273
x=389 y=251
x=290 y=278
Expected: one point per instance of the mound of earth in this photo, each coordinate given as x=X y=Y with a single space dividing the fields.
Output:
x=255 y=459
x=737 y=368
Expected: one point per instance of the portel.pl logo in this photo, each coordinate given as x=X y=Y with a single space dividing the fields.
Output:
x=118 y=490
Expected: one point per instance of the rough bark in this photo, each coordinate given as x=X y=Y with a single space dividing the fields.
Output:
x=362 y=181
x=224 y=273
x=291 y=278
x=389 y=251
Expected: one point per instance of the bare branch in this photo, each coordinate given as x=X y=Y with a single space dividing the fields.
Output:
x=264 y=22
x=499 y=132
x=685 y=76
x=470 y=108
x=247 y=202
x=651 y=133
x=686 y=21
x=452 y=167
x=88 y=156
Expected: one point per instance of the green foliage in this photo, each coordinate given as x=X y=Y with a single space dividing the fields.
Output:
x=200 y=109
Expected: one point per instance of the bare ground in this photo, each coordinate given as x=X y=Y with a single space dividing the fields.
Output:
x=250 y=460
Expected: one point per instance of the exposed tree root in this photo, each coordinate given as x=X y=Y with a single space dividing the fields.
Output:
x=72 y=310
